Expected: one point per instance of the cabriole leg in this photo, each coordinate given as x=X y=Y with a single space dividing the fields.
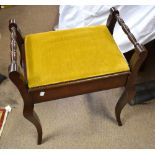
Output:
x=30 y=115
x=126 y=97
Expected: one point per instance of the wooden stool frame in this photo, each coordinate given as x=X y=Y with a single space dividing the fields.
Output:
x=32 y=96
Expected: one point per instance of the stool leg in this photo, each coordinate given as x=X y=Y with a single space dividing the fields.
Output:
x=28 y=110
x=30 y=115
x=126 y=97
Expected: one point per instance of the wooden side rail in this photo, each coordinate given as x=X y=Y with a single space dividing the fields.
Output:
x=14 y=70
x=113 y=17
x=13 y=47
x=17 y=39
x=140 y=51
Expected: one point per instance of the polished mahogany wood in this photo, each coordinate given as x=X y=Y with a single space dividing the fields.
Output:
x=111 y=21
x=33 y=96
x=78 y=87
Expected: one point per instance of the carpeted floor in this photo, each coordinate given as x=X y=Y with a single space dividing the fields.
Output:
x=85 y=121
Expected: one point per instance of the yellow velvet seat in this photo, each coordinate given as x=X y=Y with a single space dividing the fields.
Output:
x=67 y=55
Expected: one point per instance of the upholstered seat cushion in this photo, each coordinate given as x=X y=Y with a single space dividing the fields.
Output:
x=67 y=55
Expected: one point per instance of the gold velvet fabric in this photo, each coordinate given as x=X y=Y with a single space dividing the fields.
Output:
x=67 y=55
